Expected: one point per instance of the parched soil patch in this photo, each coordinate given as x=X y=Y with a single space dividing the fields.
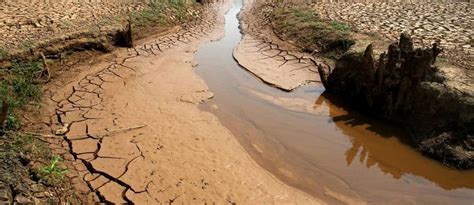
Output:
x=449 y=23
x=83 y=26
x=25 y=25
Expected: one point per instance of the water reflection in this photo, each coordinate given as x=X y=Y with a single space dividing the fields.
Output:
x=376 y=143
x=335 y=149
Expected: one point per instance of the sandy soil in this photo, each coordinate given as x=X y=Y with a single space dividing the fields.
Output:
x=135 y=133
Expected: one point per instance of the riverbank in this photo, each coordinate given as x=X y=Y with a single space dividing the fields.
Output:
x=333 y=43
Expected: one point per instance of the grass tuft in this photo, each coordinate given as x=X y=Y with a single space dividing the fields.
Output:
x=18 y=88
x=305 y=27
x=341 y=26
x=158 y=13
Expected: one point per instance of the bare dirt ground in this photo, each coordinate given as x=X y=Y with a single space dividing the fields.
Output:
x=450 y=23
x=134 y=133
x=24 y=24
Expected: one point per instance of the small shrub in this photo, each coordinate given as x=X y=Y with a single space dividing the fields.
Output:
x=12 y=123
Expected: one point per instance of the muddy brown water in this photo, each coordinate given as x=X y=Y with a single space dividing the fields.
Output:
x=337 y=154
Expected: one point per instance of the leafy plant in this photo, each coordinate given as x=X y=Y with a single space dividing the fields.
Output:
x=52 y=173
x=12 y=123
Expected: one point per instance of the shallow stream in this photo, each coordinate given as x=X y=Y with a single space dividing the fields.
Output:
x=333 y=153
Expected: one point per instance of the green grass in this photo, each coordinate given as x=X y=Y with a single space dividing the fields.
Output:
x=340 y=26
x=52 y=173
x=158 y=13
x=305 y=27
x=18 y=155
x=12 y=122
x=17 y=89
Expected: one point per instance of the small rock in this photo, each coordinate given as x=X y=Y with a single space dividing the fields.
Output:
x=63 y=130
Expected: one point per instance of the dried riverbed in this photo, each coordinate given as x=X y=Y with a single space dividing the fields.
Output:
x=173 y=152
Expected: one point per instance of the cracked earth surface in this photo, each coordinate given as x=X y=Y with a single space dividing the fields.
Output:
x=273 y=61
x=449 y=22
x=24 y=22
x=135 y=135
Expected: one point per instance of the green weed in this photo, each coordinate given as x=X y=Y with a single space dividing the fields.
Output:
x=52 y=173
x=12 y=122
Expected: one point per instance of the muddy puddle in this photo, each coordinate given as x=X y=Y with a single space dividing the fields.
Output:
x=323 y=149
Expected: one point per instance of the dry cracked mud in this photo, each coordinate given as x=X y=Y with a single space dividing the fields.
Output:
x=131 y=126
x=23 y=23
x=273 y=61
x=450 y=23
